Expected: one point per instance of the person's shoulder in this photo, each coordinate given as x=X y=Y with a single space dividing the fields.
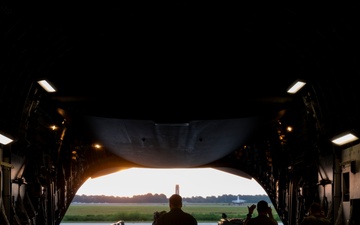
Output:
x=311 y=219
x=272 y=221
x=308 y=220
x=324 y=221
x=191 y=218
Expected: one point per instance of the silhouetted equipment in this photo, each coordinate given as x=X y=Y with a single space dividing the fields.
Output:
x=225 y=221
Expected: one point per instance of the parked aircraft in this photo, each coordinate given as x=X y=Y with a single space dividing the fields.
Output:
x=238 y=201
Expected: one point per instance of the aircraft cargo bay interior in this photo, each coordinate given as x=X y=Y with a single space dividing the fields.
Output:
x=179 y=85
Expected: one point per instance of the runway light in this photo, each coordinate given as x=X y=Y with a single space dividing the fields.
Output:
x=295 y=87
x=46 y=85
x=344 y=138
x=5 y=140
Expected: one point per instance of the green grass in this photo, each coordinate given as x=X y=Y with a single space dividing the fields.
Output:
x=145 y=212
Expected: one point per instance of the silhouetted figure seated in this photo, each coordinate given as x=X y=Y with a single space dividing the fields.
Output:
x=316 y=216
x=176 y=216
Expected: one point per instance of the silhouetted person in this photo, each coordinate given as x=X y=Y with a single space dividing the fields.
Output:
x=316 y=216
x=176 y=216
x=265 y=216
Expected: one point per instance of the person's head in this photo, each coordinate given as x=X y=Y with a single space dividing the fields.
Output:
x=175 y=201
x=315 y=208
x=262 y=206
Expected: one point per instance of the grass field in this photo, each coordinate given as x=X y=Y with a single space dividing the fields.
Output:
x=145 y=212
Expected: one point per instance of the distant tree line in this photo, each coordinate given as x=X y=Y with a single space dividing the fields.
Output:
x=161 y=198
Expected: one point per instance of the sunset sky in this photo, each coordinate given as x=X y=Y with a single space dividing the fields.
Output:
x=193 y=182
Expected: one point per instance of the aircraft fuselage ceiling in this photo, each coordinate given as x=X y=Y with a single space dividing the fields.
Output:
x=179 y=85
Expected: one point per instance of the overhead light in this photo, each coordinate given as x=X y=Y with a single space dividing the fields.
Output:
x=344 y=138
x=296 y=86
x=5 y=140
x=46 y=85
